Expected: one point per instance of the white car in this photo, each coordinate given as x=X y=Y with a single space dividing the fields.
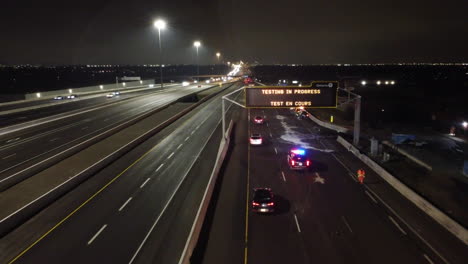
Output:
x=58 y=97
x=110 y=95
x=256 y=139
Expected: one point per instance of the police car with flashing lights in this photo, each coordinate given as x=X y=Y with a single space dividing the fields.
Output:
x=298 y=159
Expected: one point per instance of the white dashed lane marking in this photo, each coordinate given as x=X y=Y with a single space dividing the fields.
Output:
x=123 y=206
x=97 y=234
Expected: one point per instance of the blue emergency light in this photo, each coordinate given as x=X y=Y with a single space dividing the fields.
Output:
x=298 y=151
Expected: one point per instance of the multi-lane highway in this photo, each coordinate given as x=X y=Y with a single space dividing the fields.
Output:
x=323 y=215
x=29 y=147
x=139 y=209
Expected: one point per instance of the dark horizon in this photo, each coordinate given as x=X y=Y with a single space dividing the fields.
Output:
x=53 y=32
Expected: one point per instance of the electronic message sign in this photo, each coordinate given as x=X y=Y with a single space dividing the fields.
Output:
x=321 y=94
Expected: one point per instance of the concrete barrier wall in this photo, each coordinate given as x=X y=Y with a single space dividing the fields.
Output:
x=409 y=156
x=201 y=213
x=87 y=89
x=334 y=127
x=448 y=223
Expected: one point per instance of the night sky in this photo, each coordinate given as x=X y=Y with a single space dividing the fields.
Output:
x=267 y=31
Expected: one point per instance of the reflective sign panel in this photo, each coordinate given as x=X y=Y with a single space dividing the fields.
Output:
x=317 y=95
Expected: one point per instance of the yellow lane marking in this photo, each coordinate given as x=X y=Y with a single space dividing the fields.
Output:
x=88 y=200
x=247 y=199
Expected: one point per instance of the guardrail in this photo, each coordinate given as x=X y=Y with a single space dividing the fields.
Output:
x=448 y=223
x=336 y=128
x=409 y=156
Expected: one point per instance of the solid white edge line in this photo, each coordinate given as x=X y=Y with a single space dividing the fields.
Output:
x=397 y=225
x=141 y=186
x=9 y=156
x=193 y=131
x=186 y=138
x=428 y=259
x=172 y=154
x=370 y=196
x=297 y=223
x=284 y=178
x=11 y=140
x=97 y=234
x=160 y=166
x=122 y=207
x=180 y=145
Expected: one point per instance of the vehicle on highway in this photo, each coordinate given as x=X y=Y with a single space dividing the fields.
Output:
x=258 y=120
x=116 y=93
x=110 y=95
x=298 y=159
x=72 y=96
x=58 y=97
x=256 y=139
x=263 y=200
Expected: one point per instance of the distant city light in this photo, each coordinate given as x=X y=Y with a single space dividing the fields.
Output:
x=295 y=82
x=207 y=81
x=151 y=85
x=38 y=95
x=386 y=82
x=383 y=110
x=124 y=84
x=141 y=82
x=379 y=82
x=465 y=124
x=185 y=83
x=101 y=87
x=392 y=82
x=363 y=83
x=70 y=90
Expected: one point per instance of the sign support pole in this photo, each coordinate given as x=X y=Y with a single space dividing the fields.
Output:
x=357 y=120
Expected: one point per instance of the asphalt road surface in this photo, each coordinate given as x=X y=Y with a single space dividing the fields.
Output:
x=323 y=215
x=145 y=210
x=63 y=105
x=25 y=148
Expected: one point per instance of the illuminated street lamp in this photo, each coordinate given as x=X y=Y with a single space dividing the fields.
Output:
x=465 y=124
x=218 y=55
x=379 y=82
x=363 y=83
x=160 y=24
x=197 y=44
x=392 y=82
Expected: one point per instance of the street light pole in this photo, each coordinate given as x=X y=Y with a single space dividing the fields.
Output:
x=218 y=55
x=197 y=44
x=160 y=24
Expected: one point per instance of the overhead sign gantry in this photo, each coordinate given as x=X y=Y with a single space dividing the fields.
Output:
x=320 y=94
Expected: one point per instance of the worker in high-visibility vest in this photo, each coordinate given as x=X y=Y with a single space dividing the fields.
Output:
x=361 y=174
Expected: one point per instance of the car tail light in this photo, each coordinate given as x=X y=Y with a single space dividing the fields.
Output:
x=271 y=204
x=292 y=162
x=308 y=162
x=255 y=204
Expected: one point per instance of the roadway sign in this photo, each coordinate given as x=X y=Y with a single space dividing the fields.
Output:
x=321 y=94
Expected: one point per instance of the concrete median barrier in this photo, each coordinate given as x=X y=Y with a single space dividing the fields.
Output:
x=201 y=213
x=25 y=199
